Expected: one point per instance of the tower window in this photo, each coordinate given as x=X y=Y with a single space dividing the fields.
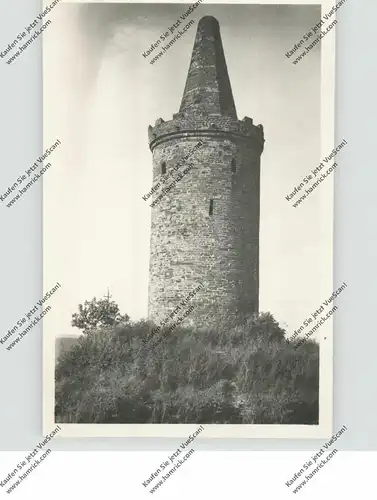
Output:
x=233 y=166
x=211 y=206
x=163 y=168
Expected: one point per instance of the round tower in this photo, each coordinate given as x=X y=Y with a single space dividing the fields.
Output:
x=206 y=197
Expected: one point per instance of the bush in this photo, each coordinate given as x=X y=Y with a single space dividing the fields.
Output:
x=244 y=375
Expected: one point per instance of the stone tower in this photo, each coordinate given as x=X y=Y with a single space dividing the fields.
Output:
x=205 y=228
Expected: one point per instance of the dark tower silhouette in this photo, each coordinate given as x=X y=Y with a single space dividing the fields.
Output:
x=206 y=228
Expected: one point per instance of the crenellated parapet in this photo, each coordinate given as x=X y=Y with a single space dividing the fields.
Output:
x=184 y=125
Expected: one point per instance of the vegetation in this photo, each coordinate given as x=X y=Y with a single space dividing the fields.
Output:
x=98 y=314
x=244 y=375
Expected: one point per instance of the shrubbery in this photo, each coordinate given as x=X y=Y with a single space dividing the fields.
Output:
x=245 y=375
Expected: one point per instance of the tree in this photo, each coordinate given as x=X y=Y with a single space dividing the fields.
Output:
x=98 y=314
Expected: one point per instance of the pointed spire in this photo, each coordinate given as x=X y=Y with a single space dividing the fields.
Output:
x=208 y=90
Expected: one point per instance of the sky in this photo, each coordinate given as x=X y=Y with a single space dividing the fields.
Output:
x=100 y=95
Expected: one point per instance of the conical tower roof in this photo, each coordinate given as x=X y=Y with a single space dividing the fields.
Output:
x=208 y=90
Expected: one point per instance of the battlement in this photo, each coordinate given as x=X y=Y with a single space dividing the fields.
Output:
x=184 y=125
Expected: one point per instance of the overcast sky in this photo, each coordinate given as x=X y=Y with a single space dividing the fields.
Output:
x=101 y=95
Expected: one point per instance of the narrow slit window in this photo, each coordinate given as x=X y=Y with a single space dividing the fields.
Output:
x=163 y=168
x=211 y=206
x=233 y=166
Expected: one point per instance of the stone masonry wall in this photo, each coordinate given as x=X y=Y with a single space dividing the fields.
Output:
x=189 y=246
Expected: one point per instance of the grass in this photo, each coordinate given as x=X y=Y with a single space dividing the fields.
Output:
x=244 y=375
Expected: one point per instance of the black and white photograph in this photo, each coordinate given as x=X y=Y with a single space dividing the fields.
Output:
x=188 y=219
